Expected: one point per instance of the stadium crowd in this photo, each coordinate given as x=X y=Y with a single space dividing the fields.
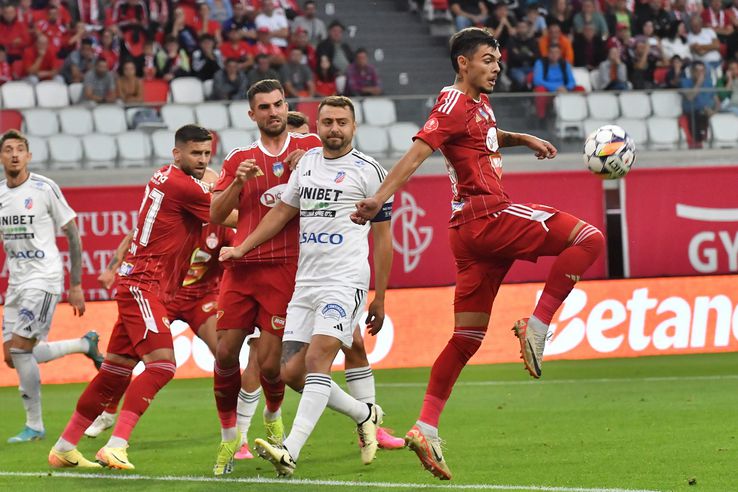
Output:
x=111 y=46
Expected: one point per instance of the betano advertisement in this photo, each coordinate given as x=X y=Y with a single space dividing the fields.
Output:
x=600 y=319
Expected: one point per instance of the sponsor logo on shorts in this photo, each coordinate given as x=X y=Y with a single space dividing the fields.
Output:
x=278 y=322
x=431 y=125
x=26 y=314
x=278 y=169
x=219 y=314
x=209 y=306
x=333 y=311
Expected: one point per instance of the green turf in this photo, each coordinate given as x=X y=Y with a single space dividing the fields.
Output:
x=648 y=423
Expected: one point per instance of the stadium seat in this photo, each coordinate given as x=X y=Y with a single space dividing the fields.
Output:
x=239 y=112
x=724 y=130
x=212 y=115
x=40 y=151
x=571 y=110
x=635 y=105
x=603 y=106
x=52 y=94
x=379 y=111
x=18 y=94
x=163 y=142
x=10 y=118
x=109 y=119
x=75 y=120
x=155 y=91
x=232 y=138
x=134 y=149
x=186 y=90
x=666 y=104
x=663 y=132
x=65 y=152
x=176 y=115
x=207 y=88
x=100 y=150
x=636 y=128
x=594 y=79
x=41 y=122
x=401 y=136
x=372 y=140
x=75 y=92
x=582 y=78
x=592 y=124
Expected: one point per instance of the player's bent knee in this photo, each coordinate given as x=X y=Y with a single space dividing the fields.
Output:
x=293 y=376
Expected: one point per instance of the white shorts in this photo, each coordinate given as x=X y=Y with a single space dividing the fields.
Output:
x=333 y=311
x=27 y=313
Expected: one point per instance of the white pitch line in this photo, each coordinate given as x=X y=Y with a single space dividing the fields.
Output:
x=654 y=379
x=305 y=481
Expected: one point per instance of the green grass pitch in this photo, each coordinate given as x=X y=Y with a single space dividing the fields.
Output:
x=655 y=423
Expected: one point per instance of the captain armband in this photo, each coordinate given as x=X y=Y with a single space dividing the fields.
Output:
x=384 y=214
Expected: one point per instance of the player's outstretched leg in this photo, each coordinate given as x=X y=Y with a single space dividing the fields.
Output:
x=88 y=345
x=577 y=245
x=360 y=382
x=248 y=400
x=226 y=385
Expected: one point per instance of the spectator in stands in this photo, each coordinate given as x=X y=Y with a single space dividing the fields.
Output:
x=653 y=42
x=243 y=21
x=40 y=62
x=238 y=49
x=551 y=74
x=554 y=36
x=230 y=83
x=79 y=62
x=522 y=53
x=612 y=73
x=13 y=33
x=206 y=60
x=338 y=52
x=158 y=16
x=716 y=18
x=468 y=13
x=310 y=23
x=325 y=78
x=560 y=13
x=73 y=41
x=146 y=63
x=732 y=41
x=182 y=33
x=93 y=13
x=264 y=46
x=172 y=61
x=620 y=16
x=502 y=24
x=129 y=86
x=205 y=24
x=99 y=84
x=109 y=48
x=589 y=48
x=536 y=21
x=642 y=65
x=699 y=104
x=53 y=28
x=730 y=83
x=261 y=70
x=362 y=78
x=275 y=21
x=296 y=76
x=132 y=19
x=588 y=15
x=221 y=10
x=652 y=10
x=673 y=79
x=290 y=7
x=704 y=43
x=301 y=41
x=622 y=41
x=6 y=73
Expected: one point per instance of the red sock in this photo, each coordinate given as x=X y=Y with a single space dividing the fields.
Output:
x=273 y=392
x=140 y=394
x=112 y=407
x=568 y=268
x=460 y=348
x=226 y=385
x=108 y=384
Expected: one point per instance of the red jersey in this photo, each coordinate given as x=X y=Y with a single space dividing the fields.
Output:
x=240 y=52
x=465 y=131
x=56 y=32
x=260 y=194
x=174 y=207
x=203 y=274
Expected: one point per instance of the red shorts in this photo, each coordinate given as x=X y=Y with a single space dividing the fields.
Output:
x=486 y=248
x=256 y=295
x=193 y=312
x=142 y=325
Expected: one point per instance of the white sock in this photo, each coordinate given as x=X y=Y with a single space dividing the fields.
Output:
x=537 y=325
x=247 y=403
x=62 y=445
x=46 y=351
x=116 y=442
x=29 y=386
x=228 y=434
x=360 y=382
x=427 y=429
x=270 y=416
x=342 y=402
x=107 y=414
x=314 y=399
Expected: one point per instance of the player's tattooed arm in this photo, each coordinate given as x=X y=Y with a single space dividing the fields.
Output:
x=76 y=296
x=510 y=139
x=541 y=148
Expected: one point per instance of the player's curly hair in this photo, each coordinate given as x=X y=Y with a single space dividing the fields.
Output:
x=14 y=134
x=466 y=42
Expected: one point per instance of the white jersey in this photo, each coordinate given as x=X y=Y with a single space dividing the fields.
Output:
x=30 y=215
x=334 y=250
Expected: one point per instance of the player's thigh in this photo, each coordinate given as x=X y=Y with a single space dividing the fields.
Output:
x=33 y=310
x=299 y=324
x=144 y=319
x=236 y=306
x=274 y=287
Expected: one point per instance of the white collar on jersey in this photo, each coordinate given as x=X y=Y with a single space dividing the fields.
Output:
x=281 y=151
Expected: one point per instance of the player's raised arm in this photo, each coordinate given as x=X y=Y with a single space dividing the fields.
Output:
x=270 y=225
x=107 y=277
x=76 y=295
x=542 y=148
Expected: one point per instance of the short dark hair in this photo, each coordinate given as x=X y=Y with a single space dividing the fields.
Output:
x=309 y=2
x=361 y=50
x=14 y=134
x=338 y=102
x=192 y=133
x=334 y=23
x=264 y=87
x=87 y=42
x=467 y=41
x=206 y=37
x=296 y=119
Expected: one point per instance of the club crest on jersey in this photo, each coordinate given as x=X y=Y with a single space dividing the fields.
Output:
x=28 y=203
x=340 y=176
x=278 y=169
x=431 y=125
x=212 y=241
x=125 y=269
x=484 y=114
x=333 y=311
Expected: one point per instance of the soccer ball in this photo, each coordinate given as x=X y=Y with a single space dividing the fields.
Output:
x=609 y=152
